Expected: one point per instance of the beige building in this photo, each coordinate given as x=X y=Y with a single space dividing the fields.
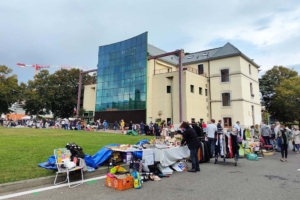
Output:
x=220 y=83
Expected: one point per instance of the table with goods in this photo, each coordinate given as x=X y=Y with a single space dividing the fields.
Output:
x=148 y=161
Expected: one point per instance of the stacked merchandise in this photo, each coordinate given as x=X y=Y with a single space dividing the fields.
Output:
x=119 y=179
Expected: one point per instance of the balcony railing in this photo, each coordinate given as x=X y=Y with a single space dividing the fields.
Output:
x=163 y=71
x=187 y=68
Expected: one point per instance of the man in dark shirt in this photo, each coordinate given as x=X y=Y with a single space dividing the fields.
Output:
x=191 y=139
x=219 y=126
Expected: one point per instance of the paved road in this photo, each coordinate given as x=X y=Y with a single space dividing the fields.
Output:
x=267 y=178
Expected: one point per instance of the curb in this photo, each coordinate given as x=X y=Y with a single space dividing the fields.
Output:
x=38 y=182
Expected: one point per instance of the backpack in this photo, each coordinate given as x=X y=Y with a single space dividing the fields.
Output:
x=137 y=182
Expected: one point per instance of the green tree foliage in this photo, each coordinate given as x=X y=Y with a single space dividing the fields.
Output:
x=286 y=102
x=37 y=93
x=56 y=92
x=9 y=89
x=66 y=91
x=270 y=80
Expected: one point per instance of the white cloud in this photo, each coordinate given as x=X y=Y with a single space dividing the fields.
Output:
x=69 y=32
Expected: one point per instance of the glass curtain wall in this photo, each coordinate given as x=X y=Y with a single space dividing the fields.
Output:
x=122 y=67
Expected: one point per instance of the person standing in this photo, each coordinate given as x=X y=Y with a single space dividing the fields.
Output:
x=252 y=131
x=122 y=124
x=191 y=139
x=278 y=139
x=197 y=129
x=142 y=127
x=272 y=137
x=219 y=126
x=79 y=125
x=130 y=125
x=156 y=130
x=162 y=126
x=116 y=125
x=105 y=125
x=238 y=128
x=284 y=134
x=151 y=128
x=265 y=133
x=211 y=135
x=204 y=127
x=296 y=137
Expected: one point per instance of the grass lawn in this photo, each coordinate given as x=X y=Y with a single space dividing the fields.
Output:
x=22 y=149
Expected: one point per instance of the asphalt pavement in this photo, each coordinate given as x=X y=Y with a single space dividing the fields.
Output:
x=268 y=178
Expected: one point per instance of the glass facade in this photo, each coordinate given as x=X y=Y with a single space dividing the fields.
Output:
x=122 y=75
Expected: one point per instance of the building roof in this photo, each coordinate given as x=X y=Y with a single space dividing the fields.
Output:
x=228 y=50
x=199 y=56
x=154 y=51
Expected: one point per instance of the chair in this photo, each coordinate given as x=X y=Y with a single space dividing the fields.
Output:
x=61 y=154
x=264 y=145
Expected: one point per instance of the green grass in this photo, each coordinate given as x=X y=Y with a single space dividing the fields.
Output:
x=22 y=149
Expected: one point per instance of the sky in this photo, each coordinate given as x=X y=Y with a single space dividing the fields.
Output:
x=69 y=32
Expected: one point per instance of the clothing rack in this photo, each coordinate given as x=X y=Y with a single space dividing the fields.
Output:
x=227 y=145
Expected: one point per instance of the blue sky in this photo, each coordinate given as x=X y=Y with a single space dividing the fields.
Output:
x=68 y=32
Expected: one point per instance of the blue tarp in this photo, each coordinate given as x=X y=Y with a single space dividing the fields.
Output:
x=92 y=161
x=142 y=142
x=102 y=155
x=139 y=154
x=50 y=164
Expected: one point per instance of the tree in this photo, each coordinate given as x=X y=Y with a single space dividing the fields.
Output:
x=64 y=91
x=37 y=94
x=286 y=102
x=56 y=92
x=270 y=80
x=10 y=90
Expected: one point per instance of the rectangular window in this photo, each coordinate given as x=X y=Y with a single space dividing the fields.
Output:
x=192 y=88
x=227 y=122
x=200 y=90
x=225 y=75
x=205 y=92
x=169 y=121
x=252 y=110
x=251 y=90
x=249 y=69
x=168 y=89
x=226 y=99
x=200 y=69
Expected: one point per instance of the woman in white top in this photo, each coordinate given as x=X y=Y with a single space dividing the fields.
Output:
x=278 y=139
x=296 y=137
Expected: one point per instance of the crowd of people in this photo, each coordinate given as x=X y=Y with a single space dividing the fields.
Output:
x=280 y=137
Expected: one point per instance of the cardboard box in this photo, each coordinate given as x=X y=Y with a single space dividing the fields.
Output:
x=119 y=184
